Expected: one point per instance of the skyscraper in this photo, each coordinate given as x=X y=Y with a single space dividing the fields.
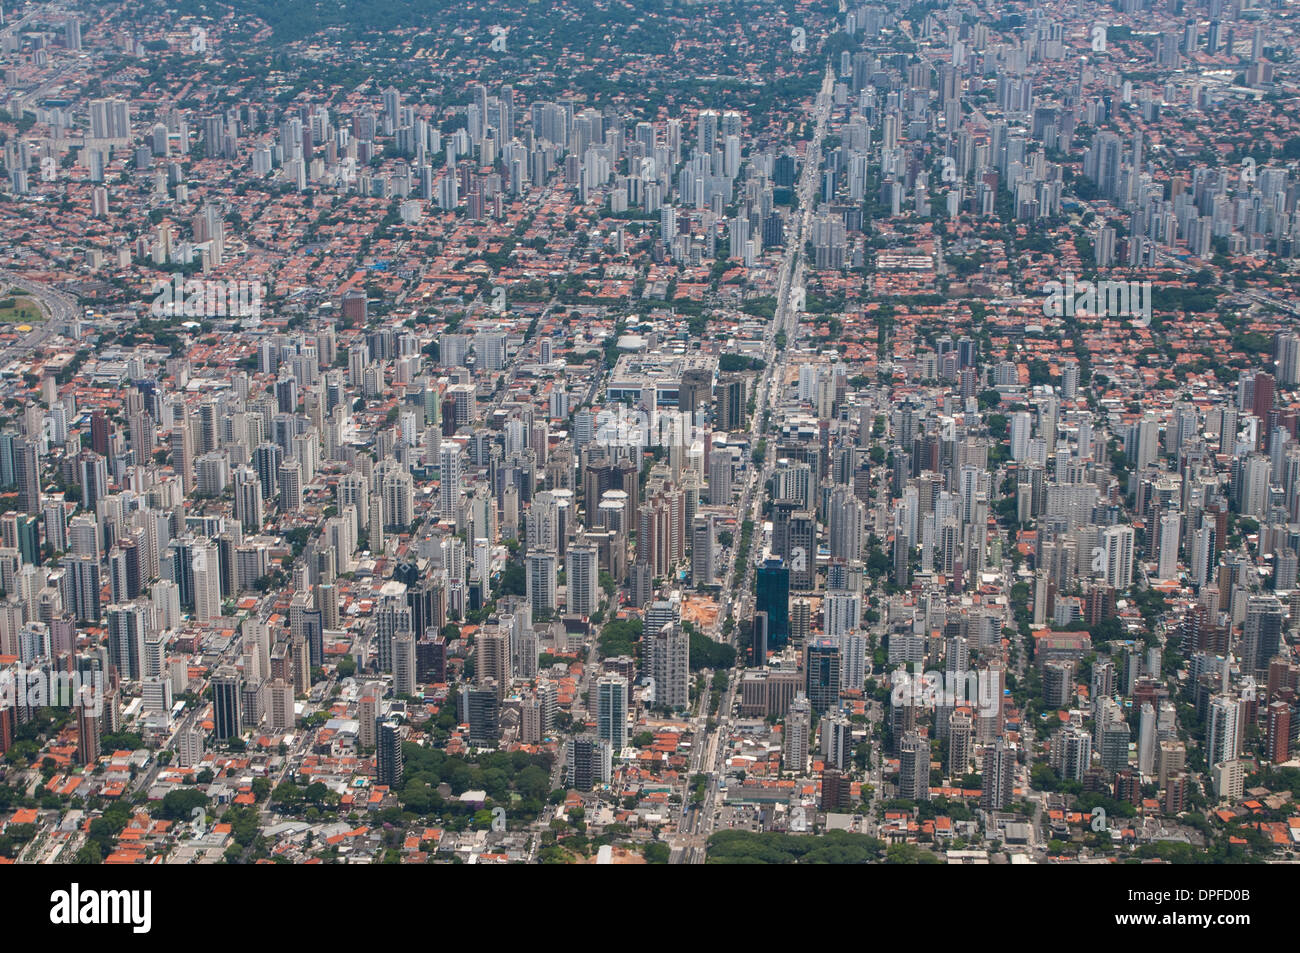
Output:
x=823 y=675
x=798 y=725
x=388 y=753
x=772 y=596
x=914 y=767
x=27 y=475
x=611 y=711
x=226 y=703
x=999 y=776
x=582 y=579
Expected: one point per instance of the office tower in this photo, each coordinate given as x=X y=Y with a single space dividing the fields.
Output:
x=27 y=475
x=729 y=397
x=582 y=579
x=914 y=767
x=798 y=725
x=772 y=597
x=388 y=753
x=611 y=711
x=803 y=550
x=999 y=776
x=226 y=703
x=823 y=675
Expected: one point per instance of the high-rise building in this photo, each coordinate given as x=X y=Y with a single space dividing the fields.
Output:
x=667 y=660
x=702 y=550
x=27 y=475
x=582 y=579
x=1222 y=729
x=611 y=711
x=226 y=703
x=798 y=725
x=772 y=596
x=960 y=738
x=540 y=581
x=823 y=675
x=1117 y=556
x=914 y=767
x=388 y=753
x=999 y=776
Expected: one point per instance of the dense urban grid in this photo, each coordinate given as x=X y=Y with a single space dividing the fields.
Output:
x=649 y=431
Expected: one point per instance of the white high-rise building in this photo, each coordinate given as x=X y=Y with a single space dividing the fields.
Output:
x=667 y=659
x=1222 y=729
x=582 y=579
x=611 y=711
x=449 y=480
x=841 y=612
x=798 y=726
x=207 y=582
x=1147 y=740
x=541 y=581
x=1021 y=427
x=1167 y=546
x=1117 y=556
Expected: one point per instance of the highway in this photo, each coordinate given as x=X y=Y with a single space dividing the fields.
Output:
x=695 y=826
x=59 y=308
